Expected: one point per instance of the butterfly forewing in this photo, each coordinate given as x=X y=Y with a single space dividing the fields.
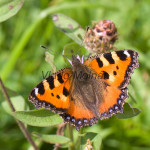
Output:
x=53 y=92
x=115 y=67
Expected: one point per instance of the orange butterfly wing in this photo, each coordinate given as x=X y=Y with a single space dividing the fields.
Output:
x=113 y=101
x=115 y=67
x=53 y=92
x=78 y=115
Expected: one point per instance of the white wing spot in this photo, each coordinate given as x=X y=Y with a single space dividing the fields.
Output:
x=126 y=53
x=36 y=91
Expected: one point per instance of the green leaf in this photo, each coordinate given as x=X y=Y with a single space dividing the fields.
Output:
x=70 y=27
x=9 y=8
x=18 y=103
x=40 y=117
x=95 y=141
x=128 y=112
x=52 y=138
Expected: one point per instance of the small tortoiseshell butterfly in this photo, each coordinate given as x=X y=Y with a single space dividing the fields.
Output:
x=95 y=88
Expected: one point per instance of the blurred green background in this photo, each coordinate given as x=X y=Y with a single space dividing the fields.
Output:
x=22 y=61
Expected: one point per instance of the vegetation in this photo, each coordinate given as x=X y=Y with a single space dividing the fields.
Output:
x=22 y=61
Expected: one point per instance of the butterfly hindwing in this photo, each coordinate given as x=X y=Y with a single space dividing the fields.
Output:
x=53 y=92
x=78 y=115
x=115 y=67
x=114 y=99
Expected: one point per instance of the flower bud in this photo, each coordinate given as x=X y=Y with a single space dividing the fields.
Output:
x=101 y=37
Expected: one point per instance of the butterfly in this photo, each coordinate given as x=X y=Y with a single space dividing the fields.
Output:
x=92 y=89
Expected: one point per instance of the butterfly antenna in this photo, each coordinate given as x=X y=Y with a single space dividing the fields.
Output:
x=54 y=52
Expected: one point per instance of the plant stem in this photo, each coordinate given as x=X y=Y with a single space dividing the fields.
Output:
x=70 y=135
x=20 y=124
x=78 y=142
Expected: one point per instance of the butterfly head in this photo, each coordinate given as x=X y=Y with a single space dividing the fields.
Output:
x=76 y=59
